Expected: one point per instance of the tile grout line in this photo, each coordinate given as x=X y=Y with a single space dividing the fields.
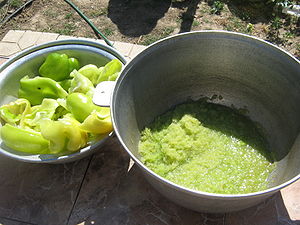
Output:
x=19 y=40
x=225 y=219
x=81 y=184
x=131 y=47
x=15 y=220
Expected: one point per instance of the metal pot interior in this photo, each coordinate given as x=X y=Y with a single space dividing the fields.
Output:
x=247 y=72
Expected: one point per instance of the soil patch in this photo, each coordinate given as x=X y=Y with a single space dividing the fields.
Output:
x=146 y=21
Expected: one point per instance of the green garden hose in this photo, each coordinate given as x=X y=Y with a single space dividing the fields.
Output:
x=89 y=22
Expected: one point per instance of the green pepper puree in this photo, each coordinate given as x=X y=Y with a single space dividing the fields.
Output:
x=207 y=147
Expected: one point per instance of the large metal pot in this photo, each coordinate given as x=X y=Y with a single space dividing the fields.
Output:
x=246 y=71
x=28 y=62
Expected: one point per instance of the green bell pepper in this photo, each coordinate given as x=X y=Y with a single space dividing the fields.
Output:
x=23 y=140
x=65 y=84
x=80 y=105
x=58 y=66
x=37 y=88
x=14 y=112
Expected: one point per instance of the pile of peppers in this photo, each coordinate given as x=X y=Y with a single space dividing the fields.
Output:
x=54 y=112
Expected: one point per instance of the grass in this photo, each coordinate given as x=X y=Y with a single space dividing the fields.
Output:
x=195 y=23
x=67 y=29
x=289 y=35
x=238 y=25
x=205 y=20
x=298 y=47
x=250 y=28
x=151 y=38
x=205 y=9
x=98 y=12
x=236 y=15
x=217 y=7
x=16 y=3
x=69 y=16
x=108 y=31
x=276 y=23
x=178 y=20
x=2 y=13
x=51 y=13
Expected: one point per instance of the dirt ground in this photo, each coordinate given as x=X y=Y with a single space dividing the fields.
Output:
x=146 y=21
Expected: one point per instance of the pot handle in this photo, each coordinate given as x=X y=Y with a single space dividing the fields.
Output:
x=103 y=93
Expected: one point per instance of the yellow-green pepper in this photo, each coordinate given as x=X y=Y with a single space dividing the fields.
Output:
x=47 y=110
x=110 y=71
x=98 y=122
x=63 y=134
x=14 y=112
x=91 y=71
x=81 y=84
x=80 y=105
x=28 y=141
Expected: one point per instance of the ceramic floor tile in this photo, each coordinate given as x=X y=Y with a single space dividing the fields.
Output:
x=29 y=39
x=13 y=36
x=8 y=48
x=46 y=37
x=39 y=193
x=291 y=199
x=4 y=221
x=123 y=48
x=64 y=37
x=136 y=49
x=270 y=212
x=111 y=195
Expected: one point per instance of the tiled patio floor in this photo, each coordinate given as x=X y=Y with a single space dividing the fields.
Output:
x=100 y=189
x=16 y=40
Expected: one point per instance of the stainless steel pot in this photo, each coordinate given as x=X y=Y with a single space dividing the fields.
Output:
x=246 y=71
x=28 y=62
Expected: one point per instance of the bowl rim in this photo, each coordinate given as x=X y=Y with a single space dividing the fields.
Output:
x=83 y=151
x=70 y=41
x=159 y=178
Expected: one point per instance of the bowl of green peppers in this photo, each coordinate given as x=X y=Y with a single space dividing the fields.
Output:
x=46 y=110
